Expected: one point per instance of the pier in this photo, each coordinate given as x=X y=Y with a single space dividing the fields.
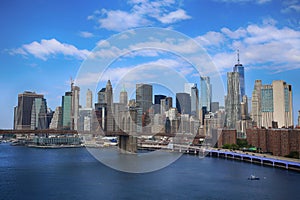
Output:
x=260 y=159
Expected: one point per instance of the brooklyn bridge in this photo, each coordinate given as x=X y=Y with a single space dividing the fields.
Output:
x=126 y=141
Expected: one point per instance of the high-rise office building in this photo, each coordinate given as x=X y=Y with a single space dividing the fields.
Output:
x=144 y=96
x=195 y=101
x=56 y=122
x=165 y=104
x=256 y=104
x=15 y=117
x=39 y=114
x=244 y=108
x=276 y=104
x=24 y=109
x=85 y=122
x=159 y=103
x=205 y=92
x=104 y=108
x=240 y=69
x=183 y=103
x=109 y=102
x=232 y=100
x=123 y=97
x=102 y=96
x=158 y=97
x=89 y=99
x=67 y=111
x=75 y=106
x=169 y=102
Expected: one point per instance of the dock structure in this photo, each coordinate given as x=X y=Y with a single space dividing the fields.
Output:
x=253 y=158
x=261 y=159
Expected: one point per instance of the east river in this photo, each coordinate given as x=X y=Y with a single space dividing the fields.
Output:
x=73 y=173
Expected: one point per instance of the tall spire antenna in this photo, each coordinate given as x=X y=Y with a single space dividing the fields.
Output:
x=71 y=82
x=238 y=56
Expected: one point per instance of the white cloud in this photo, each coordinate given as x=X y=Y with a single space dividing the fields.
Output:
x=174 y=16
x=49 y=48
x=86 y=34
x=118 y=20
x=142 y=13
x=260 y=45
x=234 y=34
x=211 y=38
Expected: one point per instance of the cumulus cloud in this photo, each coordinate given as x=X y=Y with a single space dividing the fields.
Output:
x=142 y=13
x=49 y=48
x=174 y=16
x=259 y=45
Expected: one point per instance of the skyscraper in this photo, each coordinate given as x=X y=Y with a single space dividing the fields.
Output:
x=256 y=103
x=232 y=100
x=195 y=101
x=144 y=96
x=24 y=109
x=109 y=107
x=89 y=99
x=123 y=97
x=104 y=108
x=240 y=69
x=102 y=96
x=74 y=106
x=188 y=88
x=159 y=101
x=277 y=104
x=56 y=122
x=205 y=92
x=165 y=104
x=39 y=114
x=66 y=111
x=183 y=103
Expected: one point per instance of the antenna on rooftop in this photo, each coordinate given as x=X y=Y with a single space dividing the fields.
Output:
x=238 y=56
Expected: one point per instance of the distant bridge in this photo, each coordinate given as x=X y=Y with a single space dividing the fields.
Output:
x=111 y=133
x=127 y=141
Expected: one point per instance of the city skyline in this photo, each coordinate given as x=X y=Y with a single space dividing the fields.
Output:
x=48 y=51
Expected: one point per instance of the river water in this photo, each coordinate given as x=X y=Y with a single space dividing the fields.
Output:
x=73 y=173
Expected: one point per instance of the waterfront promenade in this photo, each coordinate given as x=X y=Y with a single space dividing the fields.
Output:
x=256 y=158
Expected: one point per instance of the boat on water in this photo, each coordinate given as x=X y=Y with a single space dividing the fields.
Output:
x=252 y=177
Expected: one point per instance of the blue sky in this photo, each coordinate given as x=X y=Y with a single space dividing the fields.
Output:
x=44 y=43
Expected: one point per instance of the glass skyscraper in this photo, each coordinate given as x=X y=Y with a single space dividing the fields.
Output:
x=183 y=103
x=66 y=110
x=195 y=101
x=39 y=114
x=144 y=96
x=232 y=100
x=240 y=69
x=205 y=92
x=272 y=103
x=24 y=109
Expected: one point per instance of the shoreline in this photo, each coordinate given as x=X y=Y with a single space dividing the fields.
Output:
x=247 y=157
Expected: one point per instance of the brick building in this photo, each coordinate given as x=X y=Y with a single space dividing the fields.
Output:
x=226 y=136
x=280 y=142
